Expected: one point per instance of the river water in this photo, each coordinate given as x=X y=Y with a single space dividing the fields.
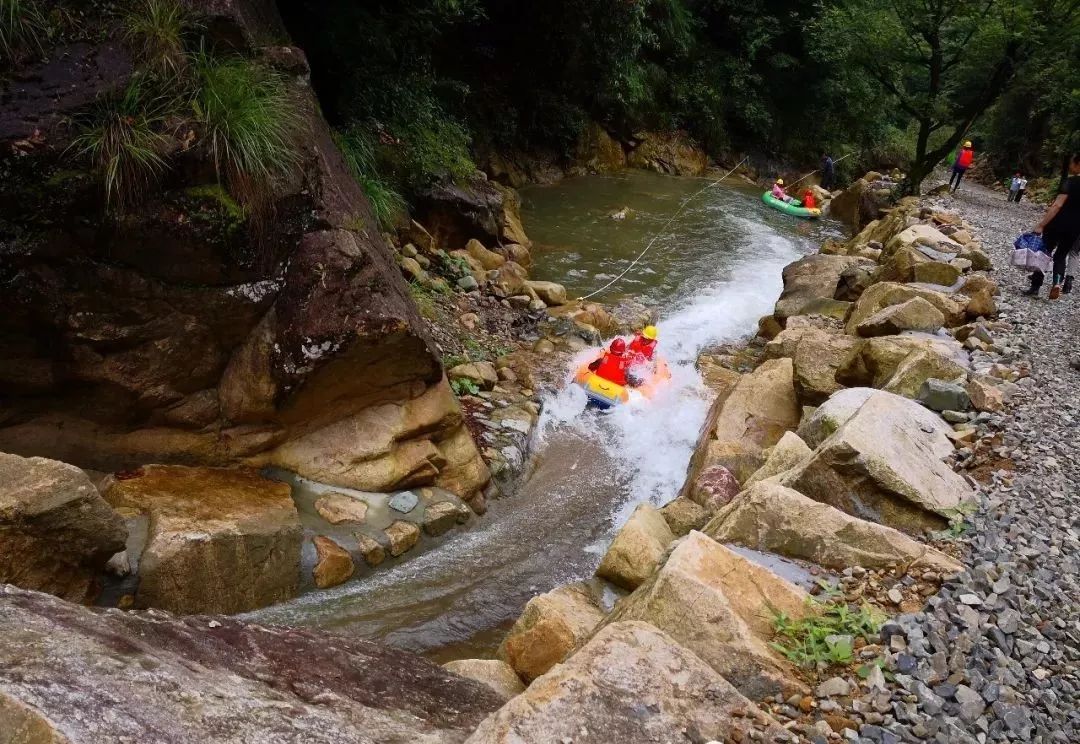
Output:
x=712 y=276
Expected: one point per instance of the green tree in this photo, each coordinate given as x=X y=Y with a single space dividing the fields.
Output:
x=943 y=62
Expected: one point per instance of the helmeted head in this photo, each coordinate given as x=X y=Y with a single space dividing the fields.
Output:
x=649 y=332
x=618 y=347
x=779 y=182
x=967 y=143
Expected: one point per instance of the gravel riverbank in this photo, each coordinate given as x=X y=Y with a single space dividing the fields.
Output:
x=996 y=655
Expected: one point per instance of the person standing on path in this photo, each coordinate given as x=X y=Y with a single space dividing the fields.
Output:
x=964 y=158
x=1060 y=228
x=828 y=172
x=1014 y=188
x=1020 y=191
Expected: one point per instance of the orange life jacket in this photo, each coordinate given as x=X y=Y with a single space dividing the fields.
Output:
x=965 y=157
x=643 y=347
x=613 y=367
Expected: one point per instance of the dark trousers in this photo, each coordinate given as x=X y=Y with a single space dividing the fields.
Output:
x=957 y=174
x=1020 y=195
x=1061 y=243
x=828 y=180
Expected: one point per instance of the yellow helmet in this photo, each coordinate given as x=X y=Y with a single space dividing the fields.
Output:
x=780 y=181
x=967 y=143
x=649 y=332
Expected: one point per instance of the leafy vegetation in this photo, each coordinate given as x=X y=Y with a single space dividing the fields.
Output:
x=464 y=386
x=359 y=151
x=827 y=635
x=124 y=139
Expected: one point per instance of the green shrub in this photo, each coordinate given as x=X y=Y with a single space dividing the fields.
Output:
x=123 y=138
x=464 y=386
x=826 y=635
x=155 y=31
x=359 y=152
x=250 y=121
x=22 y=27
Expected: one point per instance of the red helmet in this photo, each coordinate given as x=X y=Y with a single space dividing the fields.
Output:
x=618 y=346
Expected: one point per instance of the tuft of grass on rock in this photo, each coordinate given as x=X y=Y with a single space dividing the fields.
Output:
x=358 y=149
x=22 y=28
x=250 y=123
x=155 y=31
x=826 y=636
x=124 y=140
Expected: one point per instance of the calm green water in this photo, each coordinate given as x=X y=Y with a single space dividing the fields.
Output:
x=578 y=244
x=710 y=279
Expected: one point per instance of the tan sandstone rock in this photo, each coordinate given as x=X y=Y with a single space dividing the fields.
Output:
x=496 y=674
x=682 y=515
x=483 y=374
x=442 y=516
x=551 y=293
x=883 y=294
x=776 y=519
x=487 y=259
x=218 y=540
x=333 y=564
x=784 y=455
x=918 y=367
x=56 y=532
x=881 y=465
x=809 y=279
x=916 y=314
x=370 y=549
x=550 y=628
x=817 y=355
x=597 y=697
x=337 y=508
x=713 y=601
x=636 y=549
x=402 y=536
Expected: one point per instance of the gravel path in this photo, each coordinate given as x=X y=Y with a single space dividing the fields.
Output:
x=996 y=656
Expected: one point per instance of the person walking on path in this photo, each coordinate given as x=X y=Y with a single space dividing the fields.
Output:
x=1014 y=188
x=1020 y=191
x=964 y=158
x=1060 y=228
x=828 y=172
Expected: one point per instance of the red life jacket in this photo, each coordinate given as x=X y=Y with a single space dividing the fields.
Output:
x=808 y=200
x=643 y=347
x=613 y=368
x=965 y=157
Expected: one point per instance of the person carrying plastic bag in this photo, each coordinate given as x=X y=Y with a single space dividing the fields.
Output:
x=1060 y=231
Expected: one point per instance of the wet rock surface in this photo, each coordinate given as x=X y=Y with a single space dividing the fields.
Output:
x=72 y=674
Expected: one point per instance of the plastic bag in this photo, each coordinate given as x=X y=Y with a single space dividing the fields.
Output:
x=1030 y=253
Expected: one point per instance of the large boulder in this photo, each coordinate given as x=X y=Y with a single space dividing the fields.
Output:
x=496 y=674
x=455 y=212
x=56 y=532
x=817 y=355
x=718 y=605
x=879 y=358
x=884 y=294
x=630 y=683
x=487 y=259
x=637 y=548
x=845 y=206
x=551 y=293
x=208 y=539
x=776 y=519
x=550 y=628
x=840 y=408
x=391 y=446
x=673 y=153
x=683 y=515
x=881 y=465
x=750 y=416
x=916 y=314
x=509 y=280
x=912 y=264
x=810 y=279
x=73 y=675
x=918 y=367
x=922 y=235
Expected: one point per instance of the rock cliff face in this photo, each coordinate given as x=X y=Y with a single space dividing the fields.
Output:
x=182 y=333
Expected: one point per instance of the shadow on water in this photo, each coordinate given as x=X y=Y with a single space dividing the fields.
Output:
x=713 y=277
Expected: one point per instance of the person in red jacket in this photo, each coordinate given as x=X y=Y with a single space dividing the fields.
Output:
x=965 y=156
x=613 y=364
x=808 y=199
x=643 y=346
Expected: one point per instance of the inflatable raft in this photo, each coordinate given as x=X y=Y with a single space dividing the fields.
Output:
x=604 y=393
x=795 y=208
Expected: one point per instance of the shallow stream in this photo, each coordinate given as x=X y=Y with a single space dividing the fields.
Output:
x=712 y=276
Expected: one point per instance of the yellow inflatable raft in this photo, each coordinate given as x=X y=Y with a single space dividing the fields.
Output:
x=605 y=394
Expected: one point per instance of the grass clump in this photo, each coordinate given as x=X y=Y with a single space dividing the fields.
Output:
x=124 y=140
x=358 y=149
x=464 y=386
x=250 y=123
x=827 y=635
x=155 y=31
x=22 y=28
